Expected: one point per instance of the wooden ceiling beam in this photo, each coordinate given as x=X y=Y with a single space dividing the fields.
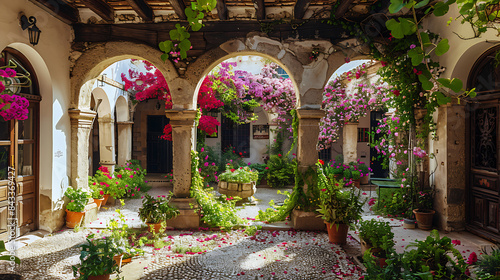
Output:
x=142 y=9
x=179 y=8
x=260 y=9
x=300 y=8
x=59 y=9
x=101 y=8
x=342 y=8
x=222 y=9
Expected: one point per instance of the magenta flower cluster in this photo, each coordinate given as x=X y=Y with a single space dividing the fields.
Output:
x=11 y=106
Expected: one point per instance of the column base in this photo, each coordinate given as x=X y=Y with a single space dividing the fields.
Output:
x=90 y=214
x=188 y=217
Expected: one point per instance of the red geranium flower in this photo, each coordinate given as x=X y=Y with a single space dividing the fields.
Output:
x=322 y=162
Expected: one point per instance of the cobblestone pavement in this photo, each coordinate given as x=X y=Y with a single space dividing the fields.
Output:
x=224 y=255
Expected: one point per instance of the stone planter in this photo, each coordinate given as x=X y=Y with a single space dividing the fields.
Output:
x=303 y=220
x=243 y=190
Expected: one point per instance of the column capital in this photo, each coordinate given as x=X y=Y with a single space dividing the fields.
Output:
x=310 y=113
x=81 y=118
x=181 y=117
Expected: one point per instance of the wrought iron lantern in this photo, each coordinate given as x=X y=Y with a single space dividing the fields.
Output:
x=33 y=30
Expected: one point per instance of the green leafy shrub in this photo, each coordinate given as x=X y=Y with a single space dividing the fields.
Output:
x=261 y=168
x=77 y=199
x=488 y=265
x=96 y=258
x=373 y=233
x=281 y=171
x=208 y=166
x=239 y=175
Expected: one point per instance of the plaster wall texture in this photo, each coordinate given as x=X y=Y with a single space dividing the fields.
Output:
x=50 y=61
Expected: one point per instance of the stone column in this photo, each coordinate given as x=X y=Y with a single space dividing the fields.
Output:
x=350 y=142
x=124 y=142
x=307 y=155
x=183 y=142
x=107 y=143
x=81 y=124
x=450 y=173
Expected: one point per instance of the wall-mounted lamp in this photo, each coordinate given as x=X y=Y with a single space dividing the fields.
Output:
x=101 y=81
x=33 y=31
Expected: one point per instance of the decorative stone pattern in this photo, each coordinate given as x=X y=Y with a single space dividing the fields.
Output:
x=243 y=190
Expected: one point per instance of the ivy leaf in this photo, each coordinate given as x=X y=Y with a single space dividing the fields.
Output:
x=456 y=85
x=185 y=45
x=396 y=6
x=174 y=34
x=425 y=39
x=472 y=93
x=416 y=55
x=442 y=99
x=421 y=4
x=164 y=56
x=401 y=28
x=466 y=7
x=190 y=13
x=196 y=26
x=166 y=46
x=442 y=47
x=441 y=8
x=426 y=84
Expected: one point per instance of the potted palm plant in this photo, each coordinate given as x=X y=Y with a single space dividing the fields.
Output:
x=156 y=210
x=75 y=209
x=96 y=259
x=337 y=207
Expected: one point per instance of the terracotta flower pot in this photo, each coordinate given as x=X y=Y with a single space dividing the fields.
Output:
x=118 y=259
x=99 y=277
x=424 y=219
x=337 y=233
x=73 y=219
x=356 y=183
x=381 y=262
x=155 y=226
x=99 y=202
x=106 y=196
x=364 y=180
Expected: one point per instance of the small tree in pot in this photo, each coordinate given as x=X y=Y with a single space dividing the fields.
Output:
x=96 y=259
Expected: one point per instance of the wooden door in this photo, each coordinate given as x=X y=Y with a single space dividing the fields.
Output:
x=484 y=187
x=160 y=153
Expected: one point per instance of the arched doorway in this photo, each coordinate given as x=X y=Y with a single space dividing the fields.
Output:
x=483 y=191
x=19 y=148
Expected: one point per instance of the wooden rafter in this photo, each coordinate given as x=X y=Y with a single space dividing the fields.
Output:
x=142 y=9
x=60 y=9
x=179 y=8
x=300 y=8
x=342 y=8
x=260 y=9
x=101 y=8
x=222 y=9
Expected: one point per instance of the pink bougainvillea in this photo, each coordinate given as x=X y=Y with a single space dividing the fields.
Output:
x=11 y=106
x=342 y=105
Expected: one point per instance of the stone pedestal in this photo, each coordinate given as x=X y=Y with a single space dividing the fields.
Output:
x=183 y=142
x=350 y=142
x=188 y=217
x=124 y=142
x=81 y=124
x=107 y=142
x=303 y=220
x=90 y=213
x=234 y=189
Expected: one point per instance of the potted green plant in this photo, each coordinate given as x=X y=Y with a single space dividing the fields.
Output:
x=338 y=208
x=97 y=194
x=356 y=176
x=280 y=172
x=488 y=265
x=375 y=235
x=156 y=210
x=75 y=209
x=365 y=173
x=238 y=182
x=424 y=212
x=96 y=259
